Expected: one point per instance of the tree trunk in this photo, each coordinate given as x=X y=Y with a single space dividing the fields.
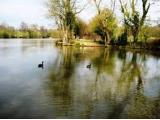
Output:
x=63 y=36
x=108 y=38
x=105 y=40
x=135 y=36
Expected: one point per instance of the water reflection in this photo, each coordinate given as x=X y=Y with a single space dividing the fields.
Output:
x=113 y=88
x=120 y=83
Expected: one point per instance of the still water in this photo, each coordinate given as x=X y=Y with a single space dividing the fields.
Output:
x=119 y=84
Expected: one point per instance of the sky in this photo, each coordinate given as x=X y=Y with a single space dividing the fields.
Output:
x=13 y=12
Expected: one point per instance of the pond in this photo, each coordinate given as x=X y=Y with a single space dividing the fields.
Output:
x=119 y=84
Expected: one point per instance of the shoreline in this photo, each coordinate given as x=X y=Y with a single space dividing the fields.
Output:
x=135 y=47
x=89 y=43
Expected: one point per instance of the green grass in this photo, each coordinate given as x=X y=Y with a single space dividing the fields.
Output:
x=85 y=42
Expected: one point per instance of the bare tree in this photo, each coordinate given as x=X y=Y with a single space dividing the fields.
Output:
x=98 y=5
x=64 y=13
x=132 y=17
x=24 y=26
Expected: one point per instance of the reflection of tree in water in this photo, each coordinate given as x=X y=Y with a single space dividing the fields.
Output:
x=61 y=80
x=28 y=44
x=104 y=63
x=123 y=97
x=130 y=72
x=134 y=104
x=60 y=77
x=140 y=106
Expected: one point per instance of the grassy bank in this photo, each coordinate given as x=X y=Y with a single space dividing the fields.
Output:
x=81 y=43
x=151 y=45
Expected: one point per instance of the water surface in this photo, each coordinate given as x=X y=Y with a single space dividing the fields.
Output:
x=120 y=83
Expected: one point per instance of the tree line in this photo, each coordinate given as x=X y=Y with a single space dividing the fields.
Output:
x=105 y=25
x=26 y=31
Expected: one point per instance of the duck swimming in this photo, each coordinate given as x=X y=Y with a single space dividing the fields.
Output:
x=89 y=66
x=41 y=65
